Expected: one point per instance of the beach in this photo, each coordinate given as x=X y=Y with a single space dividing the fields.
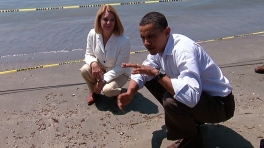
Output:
x=47 y=107
x=43 y=98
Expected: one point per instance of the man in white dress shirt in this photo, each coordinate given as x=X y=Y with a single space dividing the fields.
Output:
x=183 y=78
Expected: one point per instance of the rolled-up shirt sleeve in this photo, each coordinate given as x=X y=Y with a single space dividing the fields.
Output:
x=187 y=86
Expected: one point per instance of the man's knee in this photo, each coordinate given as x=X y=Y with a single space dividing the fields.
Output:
x=169 y=102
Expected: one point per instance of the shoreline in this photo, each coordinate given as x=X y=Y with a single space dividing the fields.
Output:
x=38 y=60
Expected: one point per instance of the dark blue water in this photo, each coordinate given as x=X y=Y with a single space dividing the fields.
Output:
x=51 y=36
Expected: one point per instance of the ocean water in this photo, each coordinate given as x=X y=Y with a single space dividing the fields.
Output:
x=32 y=38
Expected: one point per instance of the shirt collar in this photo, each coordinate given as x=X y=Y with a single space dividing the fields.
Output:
x=169 y=46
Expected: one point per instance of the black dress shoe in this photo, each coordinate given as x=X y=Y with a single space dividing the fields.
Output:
x=192 y=142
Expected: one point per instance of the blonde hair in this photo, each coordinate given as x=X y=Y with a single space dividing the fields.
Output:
x=118 y=28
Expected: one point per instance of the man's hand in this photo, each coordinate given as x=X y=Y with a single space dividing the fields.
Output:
x=124 y=99
x=141 y=69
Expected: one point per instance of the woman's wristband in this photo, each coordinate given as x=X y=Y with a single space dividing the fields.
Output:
x=103 y=81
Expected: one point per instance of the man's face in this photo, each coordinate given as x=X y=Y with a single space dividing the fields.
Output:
x=154 y=39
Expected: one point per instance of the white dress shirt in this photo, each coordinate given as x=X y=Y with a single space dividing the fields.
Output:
x=115 y=52
x=190 y=68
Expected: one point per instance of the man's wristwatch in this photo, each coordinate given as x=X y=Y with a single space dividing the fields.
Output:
x=161 y=74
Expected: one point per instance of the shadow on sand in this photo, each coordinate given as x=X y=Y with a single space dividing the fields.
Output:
x=223 y=137
x=214 y=136
x=138 y=104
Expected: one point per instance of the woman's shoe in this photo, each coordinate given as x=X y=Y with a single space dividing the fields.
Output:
x=260 y=69
x=92 y=97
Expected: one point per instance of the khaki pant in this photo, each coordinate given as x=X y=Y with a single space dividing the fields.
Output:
x=181 y=120
x=110 y=89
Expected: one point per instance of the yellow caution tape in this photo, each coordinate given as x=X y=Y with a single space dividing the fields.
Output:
x=133 y=52
x=231 y=37
x=38 y=67
x=83 y=6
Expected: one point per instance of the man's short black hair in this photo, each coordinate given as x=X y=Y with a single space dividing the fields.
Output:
x=155 y=18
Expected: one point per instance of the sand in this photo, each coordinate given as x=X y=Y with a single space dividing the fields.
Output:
x=47 y=107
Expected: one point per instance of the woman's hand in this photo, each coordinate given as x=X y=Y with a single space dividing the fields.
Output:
x=99 y=86
x=97 y=71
